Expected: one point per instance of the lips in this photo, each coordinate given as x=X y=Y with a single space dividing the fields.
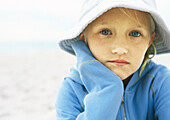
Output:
x=119 y=62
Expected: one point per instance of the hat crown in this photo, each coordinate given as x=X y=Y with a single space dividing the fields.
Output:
x=88 y=5
x=151 y=3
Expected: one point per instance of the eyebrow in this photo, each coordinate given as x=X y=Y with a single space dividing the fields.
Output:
x=105 y=23
x=139 y=26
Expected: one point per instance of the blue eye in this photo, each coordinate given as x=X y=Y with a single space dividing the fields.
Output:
x=105 y=32
x=135 y=34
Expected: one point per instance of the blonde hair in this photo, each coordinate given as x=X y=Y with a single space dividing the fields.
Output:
x=147 y=58
x=127 y=13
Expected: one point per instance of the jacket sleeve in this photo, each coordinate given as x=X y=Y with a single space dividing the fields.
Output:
x=162 y=95
x=105 y=92
x=67 y=104
x=105 y=89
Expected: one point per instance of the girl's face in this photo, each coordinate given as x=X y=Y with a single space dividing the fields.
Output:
x=120 y=39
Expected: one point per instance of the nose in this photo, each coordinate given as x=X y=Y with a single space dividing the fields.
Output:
x=120 y=51
x=120 y=45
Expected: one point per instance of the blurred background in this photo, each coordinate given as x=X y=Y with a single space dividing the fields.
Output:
x=31 y=65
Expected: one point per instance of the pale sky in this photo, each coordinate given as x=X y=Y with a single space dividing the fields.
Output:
x=36 y=20
x=41 y=20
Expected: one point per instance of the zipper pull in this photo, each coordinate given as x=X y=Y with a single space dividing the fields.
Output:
x=123 y=106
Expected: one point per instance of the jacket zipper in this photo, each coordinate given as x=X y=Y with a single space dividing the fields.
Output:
x=123 y=105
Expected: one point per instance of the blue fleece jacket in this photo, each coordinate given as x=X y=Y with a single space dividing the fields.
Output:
x=92 y=92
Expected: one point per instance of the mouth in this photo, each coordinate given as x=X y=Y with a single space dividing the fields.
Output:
x=119 y=62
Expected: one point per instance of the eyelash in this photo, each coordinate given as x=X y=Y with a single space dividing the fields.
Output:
x=133 y=35
x=109 y=33
x=104 y=30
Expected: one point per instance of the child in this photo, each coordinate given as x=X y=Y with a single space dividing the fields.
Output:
x=115 y=78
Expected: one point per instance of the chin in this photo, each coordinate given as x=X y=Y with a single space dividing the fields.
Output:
x=120 y=75
x=123 y=78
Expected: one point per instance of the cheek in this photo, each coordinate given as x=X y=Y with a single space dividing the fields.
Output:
x=98 y=49
x=138 y=54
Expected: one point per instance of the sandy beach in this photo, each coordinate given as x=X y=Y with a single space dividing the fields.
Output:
x=29 y=83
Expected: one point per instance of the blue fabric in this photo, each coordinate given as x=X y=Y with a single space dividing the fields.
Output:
x=93 y=92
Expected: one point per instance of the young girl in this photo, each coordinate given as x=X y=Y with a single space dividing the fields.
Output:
x=115 y=78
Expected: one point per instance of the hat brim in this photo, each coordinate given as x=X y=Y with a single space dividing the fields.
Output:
x=161 y=40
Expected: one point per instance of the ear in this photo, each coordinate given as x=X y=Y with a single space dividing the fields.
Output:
x=152 y=38
x=82 y=37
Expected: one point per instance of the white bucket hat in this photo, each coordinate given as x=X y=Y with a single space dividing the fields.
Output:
x=94 y=8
